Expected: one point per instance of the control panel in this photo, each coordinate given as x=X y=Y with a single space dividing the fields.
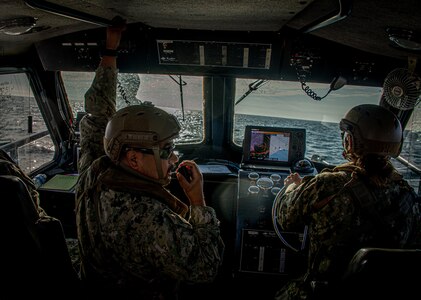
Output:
x=258 y=247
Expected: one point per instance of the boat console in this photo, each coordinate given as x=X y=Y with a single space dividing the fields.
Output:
x=270 y=154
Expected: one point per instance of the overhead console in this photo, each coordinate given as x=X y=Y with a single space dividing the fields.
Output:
x=214 y=54
x=270 y=154
x=271 y=55
x=310 y=58
x=163 y=50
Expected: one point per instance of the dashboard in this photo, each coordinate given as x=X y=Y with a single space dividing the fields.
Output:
x=270 y=154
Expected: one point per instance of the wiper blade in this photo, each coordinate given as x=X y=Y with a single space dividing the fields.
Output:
x=252 y=87
x=180 y=83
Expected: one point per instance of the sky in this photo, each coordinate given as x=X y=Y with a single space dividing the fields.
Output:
x=288 y=100
x=275 y=98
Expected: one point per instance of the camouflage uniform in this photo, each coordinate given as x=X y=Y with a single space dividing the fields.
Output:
x=132 y=231
x=341 y=220
x=9 y=167
x=40 y=238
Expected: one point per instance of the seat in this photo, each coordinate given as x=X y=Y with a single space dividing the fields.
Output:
x=383 y=273
x=34 y=250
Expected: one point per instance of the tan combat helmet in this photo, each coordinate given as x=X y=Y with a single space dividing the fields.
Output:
x=140 y=126
x=374 y=130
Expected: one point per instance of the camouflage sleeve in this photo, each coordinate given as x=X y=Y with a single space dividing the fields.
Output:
x=100 y=105
x=189 y=251
x=298 y=204
x=293 y=204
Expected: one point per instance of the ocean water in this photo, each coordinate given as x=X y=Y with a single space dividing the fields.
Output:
x=322 y=139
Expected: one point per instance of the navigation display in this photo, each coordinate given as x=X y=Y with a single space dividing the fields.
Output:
x=273 y=145
x=269 y=145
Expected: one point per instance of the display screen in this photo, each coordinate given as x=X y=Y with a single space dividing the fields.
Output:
x=273 y=145
x=269 y=145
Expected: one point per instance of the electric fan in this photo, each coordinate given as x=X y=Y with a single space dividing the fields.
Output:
x=402 y=89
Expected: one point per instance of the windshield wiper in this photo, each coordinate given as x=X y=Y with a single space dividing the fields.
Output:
x=252 y=87
x=180 y=83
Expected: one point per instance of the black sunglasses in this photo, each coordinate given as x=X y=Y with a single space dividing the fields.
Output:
x=164 y=153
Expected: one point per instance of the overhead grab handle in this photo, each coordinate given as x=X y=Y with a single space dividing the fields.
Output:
x=345 y=7
x=68 y=12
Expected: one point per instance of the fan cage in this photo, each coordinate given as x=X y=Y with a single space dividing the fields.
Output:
x=402 y=89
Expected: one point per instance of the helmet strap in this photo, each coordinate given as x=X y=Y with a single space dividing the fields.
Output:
x=163 y=180
x=347 y=144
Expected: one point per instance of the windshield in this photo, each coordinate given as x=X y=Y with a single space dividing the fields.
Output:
x=285 y=104
x=178 y=95
x=259 y=102
x=23 y=132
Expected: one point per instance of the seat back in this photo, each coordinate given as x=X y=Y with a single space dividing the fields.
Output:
x=34 y=247
x=383 y=273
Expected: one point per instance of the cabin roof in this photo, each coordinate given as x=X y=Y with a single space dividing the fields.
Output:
x=364 y=29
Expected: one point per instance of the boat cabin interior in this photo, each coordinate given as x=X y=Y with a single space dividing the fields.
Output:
x=239 y=76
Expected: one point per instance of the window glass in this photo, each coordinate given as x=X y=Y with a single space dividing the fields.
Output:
x=23 y=132
x=285 y=104
x=411 y=148
x=179 y=96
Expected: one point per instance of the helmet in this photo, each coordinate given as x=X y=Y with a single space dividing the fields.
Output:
x=141 y=126
x=373 y=130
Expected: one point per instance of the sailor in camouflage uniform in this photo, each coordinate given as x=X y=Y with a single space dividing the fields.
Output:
x=133 y=233
x=10 y=167
x=362 y=203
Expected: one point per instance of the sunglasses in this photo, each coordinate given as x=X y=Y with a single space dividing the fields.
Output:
x=164 y=153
